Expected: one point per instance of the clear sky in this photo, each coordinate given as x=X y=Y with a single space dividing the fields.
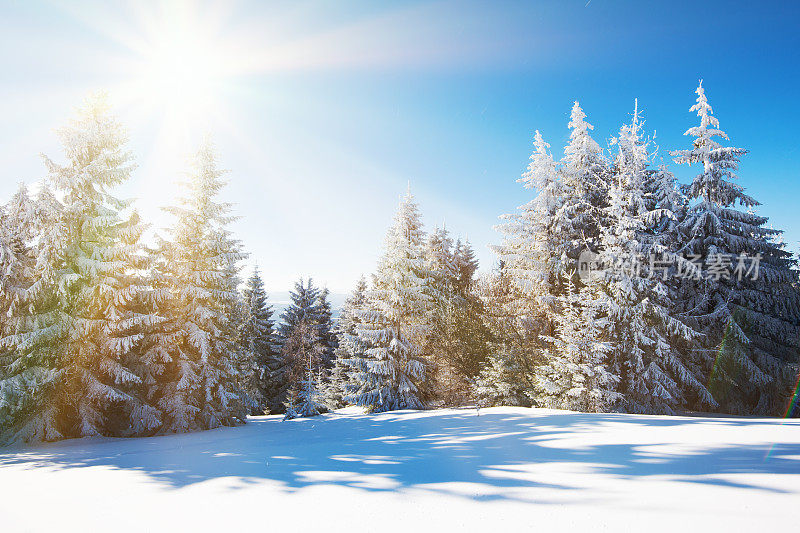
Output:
x=325 y=111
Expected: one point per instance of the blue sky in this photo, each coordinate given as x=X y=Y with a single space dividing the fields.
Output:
x=325 y=111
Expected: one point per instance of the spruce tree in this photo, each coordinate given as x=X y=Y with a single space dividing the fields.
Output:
x=308 y=404
x=537 y=240
x=290 y=404
x=584 y=187
x=515 y=343
x=440 y=262
x=576 y=374
x=633 y=298
x=502 y=381
x=76 y=338
x=304 y=350
x=302 y=309
x=326 y=332
x=20 y=223
x=751 y=325
x=199 y=388
x=335 y=387
x=440 y=270
x=389 y=375
x=466 y=266
x=299 y=332
x=457 y=340
x=340 y=380
x=545 y=238
x=19 y=227
x=257 y=341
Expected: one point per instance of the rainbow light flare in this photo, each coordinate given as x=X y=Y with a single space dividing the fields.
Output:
x=793 y=398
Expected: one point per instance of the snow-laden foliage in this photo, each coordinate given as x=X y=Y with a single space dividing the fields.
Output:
x=20 y=222
x=303 y=309
x=751 y=325
x=309 y=404
x=695 y=299
x=538 y=239
x=633 y=299
x=73 y=328
x=584 y=185
x=197 y=275
x=456 y=340
x=326 y=328
x=693 y=302
x=502 y=381
x=340 y=380
x=542 y=241
x=305 y=348
x=306 y=327
x=389 y=374
x=257 y=342
x=576 y=374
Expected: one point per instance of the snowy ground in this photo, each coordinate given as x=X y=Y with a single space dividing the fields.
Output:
x=418 y=471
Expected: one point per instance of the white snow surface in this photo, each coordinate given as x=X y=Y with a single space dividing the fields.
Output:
x=442 y=470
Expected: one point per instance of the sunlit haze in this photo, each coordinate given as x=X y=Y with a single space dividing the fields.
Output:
x=324 y=112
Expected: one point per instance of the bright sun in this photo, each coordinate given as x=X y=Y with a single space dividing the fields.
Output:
x=183 y=65
x=183 y=75
x=177 y=79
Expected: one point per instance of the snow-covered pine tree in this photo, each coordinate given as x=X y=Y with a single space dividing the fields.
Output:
x=199 y=388
x=302 y=309
x=290 y=403
x=334 y=387
x=325 y=328
x=750 y=325
x=632 y=297
x=18 y=229
x=584 y=187
x=19 y=225
x=457 y=339
x=28 y=372
x=666 y=205
x=441 y=272
x=466 y=266
x=340 y=382
x=537 y=244
x=548 y=234
x=147 y=361
x=501 y=381
x=257 y=339
x=303 y=350
x=576 y=374
x=388 y=377
x=235 y=310
x=440 y=262
x=515 y=348
x=308 y=404
x=538 y=239
x=302 y=313
x=78 y=333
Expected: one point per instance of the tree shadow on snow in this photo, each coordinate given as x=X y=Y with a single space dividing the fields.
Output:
x=491 y=456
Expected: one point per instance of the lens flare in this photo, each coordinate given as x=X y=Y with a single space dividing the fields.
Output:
x=794 y=398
